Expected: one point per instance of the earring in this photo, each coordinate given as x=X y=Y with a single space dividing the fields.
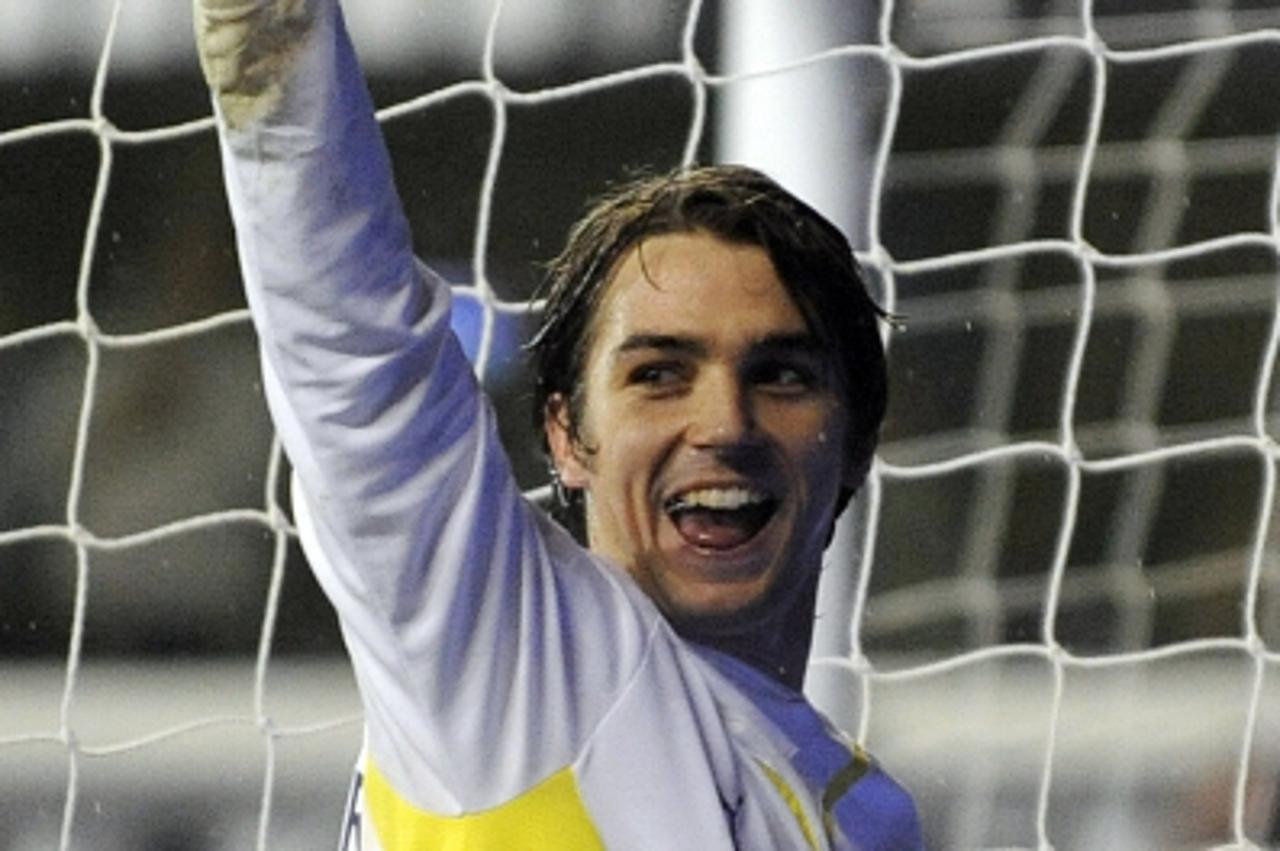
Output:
x=558 y=490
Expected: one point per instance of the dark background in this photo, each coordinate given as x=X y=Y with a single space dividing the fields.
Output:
x=995 y=348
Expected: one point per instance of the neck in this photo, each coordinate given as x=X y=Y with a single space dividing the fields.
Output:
x=777 y=644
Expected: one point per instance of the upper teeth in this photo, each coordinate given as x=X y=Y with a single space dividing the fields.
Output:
x=723 y=499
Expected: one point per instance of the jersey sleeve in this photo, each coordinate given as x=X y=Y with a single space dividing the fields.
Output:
x=472 y=620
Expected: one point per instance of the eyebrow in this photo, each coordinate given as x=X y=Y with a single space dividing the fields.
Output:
x=674 y=343
x=803 y=343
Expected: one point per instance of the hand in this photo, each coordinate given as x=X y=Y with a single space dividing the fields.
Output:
x=247 y=50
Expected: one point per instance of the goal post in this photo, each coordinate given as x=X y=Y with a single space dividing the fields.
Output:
x=1054 y=610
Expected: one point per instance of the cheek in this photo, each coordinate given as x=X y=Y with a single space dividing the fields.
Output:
x=821 y=450
x=629 y=448
x=619 y=447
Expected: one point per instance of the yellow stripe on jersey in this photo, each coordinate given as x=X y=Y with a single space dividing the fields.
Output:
x=549 y=816
x=793 y=803
x=859 y=765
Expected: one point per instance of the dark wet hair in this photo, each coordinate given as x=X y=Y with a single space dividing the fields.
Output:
x=739 y=205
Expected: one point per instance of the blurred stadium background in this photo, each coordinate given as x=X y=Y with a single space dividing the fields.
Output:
x=137 y=682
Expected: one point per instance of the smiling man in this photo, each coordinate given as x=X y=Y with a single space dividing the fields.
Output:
x=734 y=432
x=709 y=382
x=724 y=428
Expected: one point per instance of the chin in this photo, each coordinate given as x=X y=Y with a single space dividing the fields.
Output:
x=723 y=611
x=706 y=593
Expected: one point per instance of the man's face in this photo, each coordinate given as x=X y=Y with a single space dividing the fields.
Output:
x=713 y=432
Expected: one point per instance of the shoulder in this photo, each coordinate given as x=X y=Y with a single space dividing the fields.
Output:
x=876 y=812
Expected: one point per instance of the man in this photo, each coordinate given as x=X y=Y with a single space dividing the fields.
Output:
x=771 y=387
x=700 y=399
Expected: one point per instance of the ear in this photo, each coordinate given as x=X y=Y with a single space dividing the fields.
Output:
x=564 y=449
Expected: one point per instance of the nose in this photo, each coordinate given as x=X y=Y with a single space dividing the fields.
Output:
x=721 y=412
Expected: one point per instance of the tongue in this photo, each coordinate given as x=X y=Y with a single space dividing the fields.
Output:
x=716 y=530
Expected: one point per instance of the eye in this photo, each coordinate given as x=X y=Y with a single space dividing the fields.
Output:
x=658 y=375
x=784 y=376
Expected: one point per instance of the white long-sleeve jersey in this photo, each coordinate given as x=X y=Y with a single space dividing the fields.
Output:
x=519 y=692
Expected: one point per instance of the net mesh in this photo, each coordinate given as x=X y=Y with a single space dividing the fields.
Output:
x=1060 y=630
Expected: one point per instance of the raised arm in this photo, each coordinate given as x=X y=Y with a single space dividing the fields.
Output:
x=451 y=590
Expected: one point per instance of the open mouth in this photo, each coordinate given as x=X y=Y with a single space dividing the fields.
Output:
x=720 y=518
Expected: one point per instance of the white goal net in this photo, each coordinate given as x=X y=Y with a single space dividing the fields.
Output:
x=1054 y=612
